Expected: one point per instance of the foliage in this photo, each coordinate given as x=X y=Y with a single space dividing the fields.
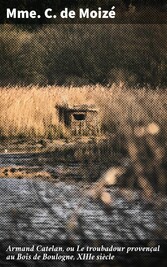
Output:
x=84 y=54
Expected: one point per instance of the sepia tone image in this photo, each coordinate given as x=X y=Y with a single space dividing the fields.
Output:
x=83 y=138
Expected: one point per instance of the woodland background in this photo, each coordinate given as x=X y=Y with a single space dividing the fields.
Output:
x=83 y=54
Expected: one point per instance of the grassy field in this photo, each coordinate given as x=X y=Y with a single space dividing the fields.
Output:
x=31 y=111
x=135 y=119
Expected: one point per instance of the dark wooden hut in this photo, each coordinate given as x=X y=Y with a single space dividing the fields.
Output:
x=81 y=119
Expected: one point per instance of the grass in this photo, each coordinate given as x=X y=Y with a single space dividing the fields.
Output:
x=31 y=111
x=136 y=119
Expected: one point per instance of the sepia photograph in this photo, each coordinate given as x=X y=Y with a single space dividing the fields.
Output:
x=83 y=136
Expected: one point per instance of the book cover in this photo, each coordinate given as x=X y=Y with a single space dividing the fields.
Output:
x=83 y=114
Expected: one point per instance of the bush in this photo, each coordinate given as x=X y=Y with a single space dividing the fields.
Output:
x=104 y=54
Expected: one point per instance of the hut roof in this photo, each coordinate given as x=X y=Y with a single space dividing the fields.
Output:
x=82 y=108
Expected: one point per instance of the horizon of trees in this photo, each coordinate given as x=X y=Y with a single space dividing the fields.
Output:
x=84 y=54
